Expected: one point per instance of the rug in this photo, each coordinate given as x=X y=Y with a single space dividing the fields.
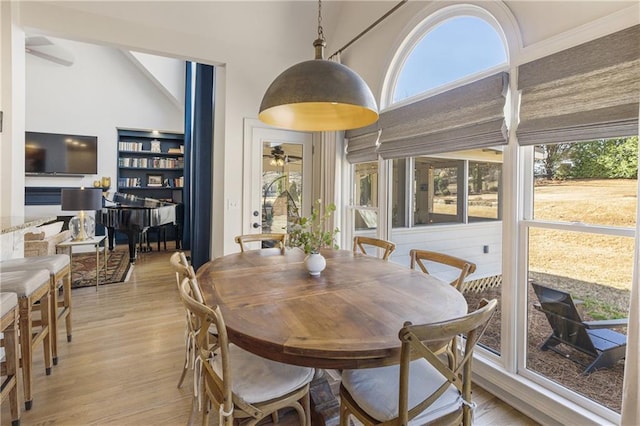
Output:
x=84 y=268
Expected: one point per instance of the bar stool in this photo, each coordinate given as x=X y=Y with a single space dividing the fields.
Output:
x=59 y=267
x=31 y=287
x=9 y=316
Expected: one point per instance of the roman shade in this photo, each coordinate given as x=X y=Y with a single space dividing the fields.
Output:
x=466 y=117
x=362 y=145
x=587 y=92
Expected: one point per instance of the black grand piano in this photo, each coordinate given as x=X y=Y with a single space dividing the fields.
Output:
x=133 y=215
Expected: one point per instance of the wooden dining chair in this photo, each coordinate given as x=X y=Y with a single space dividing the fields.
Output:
x=184 y=270
x=439 y=393
x=237 y=384
x=277 y=239
x=360 y=242
x=419 y=257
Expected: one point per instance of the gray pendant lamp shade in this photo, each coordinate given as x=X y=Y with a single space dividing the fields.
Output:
x=318 y=95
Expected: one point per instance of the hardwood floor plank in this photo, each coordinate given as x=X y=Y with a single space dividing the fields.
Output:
x=127 y=353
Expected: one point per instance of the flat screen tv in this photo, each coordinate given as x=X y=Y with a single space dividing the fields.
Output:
x=58 y=154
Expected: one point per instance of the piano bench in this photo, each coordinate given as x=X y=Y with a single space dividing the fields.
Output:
x=161 y=232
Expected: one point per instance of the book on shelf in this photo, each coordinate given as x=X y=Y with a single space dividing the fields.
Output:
x=155 y=162
x=174 y=182
x=129 y=146
x=132 y=182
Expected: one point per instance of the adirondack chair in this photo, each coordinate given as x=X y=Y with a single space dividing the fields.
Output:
x=593 y=338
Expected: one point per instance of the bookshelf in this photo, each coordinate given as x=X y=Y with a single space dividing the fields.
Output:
x=150 y=164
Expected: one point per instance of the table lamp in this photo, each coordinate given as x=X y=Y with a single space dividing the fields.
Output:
x=82 y=226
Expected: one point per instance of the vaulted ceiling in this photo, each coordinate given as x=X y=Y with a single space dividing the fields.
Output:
x=268 y=25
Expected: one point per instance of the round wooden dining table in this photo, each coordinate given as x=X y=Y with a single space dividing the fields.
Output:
x=348 y=317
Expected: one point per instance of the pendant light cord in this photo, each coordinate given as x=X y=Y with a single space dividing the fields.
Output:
x=369 y=28
x=320 y=30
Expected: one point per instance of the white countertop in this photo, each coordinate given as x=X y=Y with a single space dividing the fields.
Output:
x=15 y=223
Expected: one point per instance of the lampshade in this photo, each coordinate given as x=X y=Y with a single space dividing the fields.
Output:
x=82 y=227
x=318 y=95
x=81 y=198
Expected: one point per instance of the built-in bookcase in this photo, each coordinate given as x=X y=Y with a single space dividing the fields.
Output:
x=150 y=164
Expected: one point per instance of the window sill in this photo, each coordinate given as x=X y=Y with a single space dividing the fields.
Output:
x=535 y=401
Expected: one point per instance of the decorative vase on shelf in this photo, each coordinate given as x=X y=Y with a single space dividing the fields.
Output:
x=315 y=263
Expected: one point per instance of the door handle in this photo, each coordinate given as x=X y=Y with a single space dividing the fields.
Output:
x=256 y=225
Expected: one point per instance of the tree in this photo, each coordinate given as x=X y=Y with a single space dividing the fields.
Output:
x=605 y=158
x=553 y=155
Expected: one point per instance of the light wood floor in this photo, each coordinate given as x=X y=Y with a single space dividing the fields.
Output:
x=126 y=356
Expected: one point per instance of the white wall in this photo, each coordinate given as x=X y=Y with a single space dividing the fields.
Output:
x=101 y=91
x=466 y=241
x=12 y=106
x=169 y=73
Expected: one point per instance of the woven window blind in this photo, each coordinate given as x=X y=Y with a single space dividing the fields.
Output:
x=361 y=145
x=466 y=117
x=587 y=92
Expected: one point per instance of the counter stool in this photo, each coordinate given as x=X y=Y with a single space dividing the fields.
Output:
x=59 y=267
x=31 y=287
x=9 y=356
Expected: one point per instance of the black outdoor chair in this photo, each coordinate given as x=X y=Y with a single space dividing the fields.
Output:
x=593 y=338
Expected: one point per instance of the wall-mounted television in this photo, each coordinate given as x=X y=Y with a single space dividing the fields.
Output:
x=59 y=154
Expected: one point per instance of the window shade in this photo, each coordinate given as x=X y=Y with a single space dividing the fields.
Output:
x=466 y=117
x=361 y=144
x=587 y=92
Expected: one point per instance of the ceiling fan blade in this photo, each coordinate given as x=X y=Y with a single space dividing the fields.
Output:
x=32 y=41
x=44 y=48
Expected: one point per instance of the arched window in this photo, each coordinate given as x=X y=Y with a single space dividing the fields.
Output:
x=449 y=51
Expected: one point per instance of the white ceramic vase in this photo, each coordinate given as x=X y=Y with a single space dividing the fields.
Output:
x=315 y=263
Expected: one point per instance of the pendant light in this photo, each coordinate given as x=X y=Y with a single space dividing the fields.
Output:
x=318 y=95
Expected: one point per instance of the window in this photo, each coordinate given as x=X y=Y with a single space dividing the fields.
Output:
x=484 y=191
x=450 y=51
x=580 y=241
x=444 y=147
x=365 y=190
x=437 y=190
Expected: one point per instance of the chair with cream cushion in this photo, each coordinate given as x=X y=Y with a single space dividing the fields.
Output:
x=9 y=316
x=277 y=239
x=183 y=269
x=32 y=289
x=424 y=388
x=59 y=269
x=418 y=258
x=360 y=243
x=240 y=385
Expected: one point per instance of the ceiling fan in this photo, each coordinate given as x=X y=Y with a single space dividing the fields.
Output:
x=279 y=157
x=44 y=48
